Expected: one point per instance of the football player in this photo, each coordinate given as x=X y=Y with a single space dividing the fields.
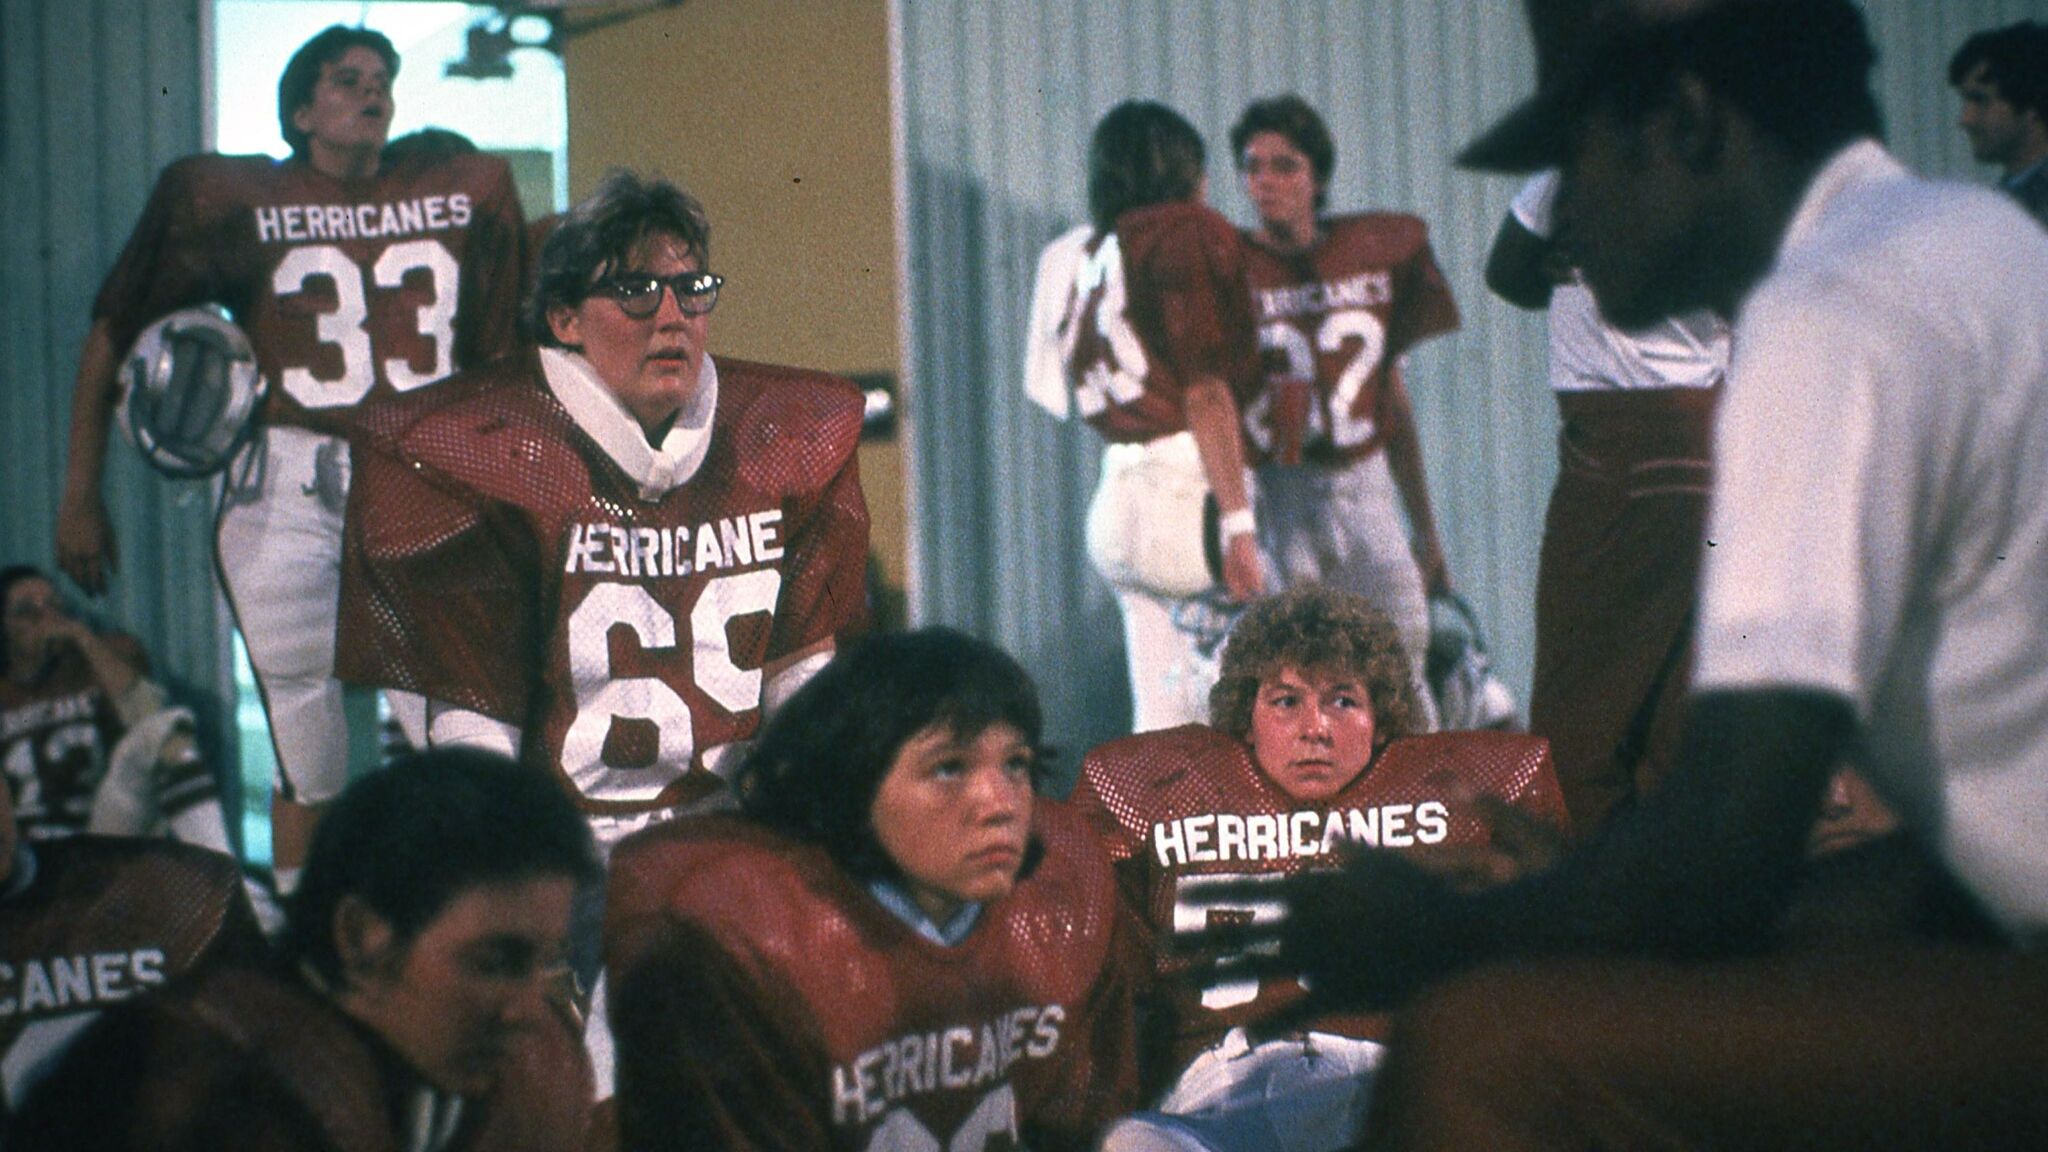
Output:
x=1340 y=301
x=415 y=1002
x=1308 y=755
x=86 y=737
x=356 y=281
x=900 y=946
x=1141 y=324
x=89 y=922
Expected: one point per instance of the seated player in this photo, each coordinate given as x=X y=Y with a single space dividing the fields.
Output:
x=88 y=922
x=1142 y=326
x=1306 y=759
x=899 y=946
x=87 y=739
x=414 y=1004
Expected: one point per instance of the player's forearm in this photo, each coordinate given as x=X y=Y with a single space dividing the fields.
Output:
x=1516 y=268
x=92 y=406
x=116 y=676
x=1707 y=864
x=1211 y=414
x=1404 y=458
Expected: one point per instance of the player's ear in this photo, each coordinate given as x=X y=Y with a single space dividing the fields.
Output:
x=1696 y=122
x=566 y=323
x=364 y=941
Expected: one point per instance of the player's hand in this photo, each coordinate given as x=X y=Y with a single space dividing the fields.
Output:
x=1436 y=571
x=1518 y=845
x=1244 y=577
x=85 y=543
x=1367 y=935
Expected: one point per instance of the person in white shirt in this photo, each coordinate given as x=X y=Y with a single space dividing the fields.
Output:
x=1873 y=590
x=1619 y=569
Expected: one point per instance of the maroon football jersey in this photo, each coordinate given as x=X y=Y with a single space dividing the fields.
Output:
x=55 y=735
x=1337 y=316
x=258 y=1060
x=1186 y=808
x=100 y=921
x=350 y=290
x=844 y=1024
x=498 y=560
x=1158 y=301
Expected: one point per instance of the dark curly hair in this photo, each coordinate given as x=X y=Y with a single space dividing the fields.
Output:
x=1314 y=629
x=819 y=762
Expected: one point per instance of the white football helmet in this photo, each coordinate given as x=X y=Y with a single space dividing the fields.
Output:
x=190 y=391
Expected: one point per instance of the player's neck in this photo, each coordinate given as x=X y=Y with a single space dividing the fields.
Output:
x=1288 y=235
x=342 y=163
x=2031 y=151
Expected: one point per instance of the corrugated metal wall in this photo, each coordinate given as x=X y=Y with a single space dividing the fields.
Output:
x=996 y=100
x=95 y=97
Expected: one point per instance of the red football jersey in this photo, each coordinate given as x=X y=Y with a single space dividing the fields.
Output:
x=1185 y=808
x=350 y=290
x=814 y=1014
x=100 y=921
x=1337 y=316
x=498 y=560
x=55 y=735
x=1159 y=300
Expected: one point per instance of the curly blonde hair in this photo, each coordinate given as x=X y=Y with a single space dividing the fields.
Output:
x=1315 y=629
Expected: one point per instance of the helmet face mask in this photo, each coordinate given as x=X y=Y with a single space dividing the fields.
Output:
x=190 y=392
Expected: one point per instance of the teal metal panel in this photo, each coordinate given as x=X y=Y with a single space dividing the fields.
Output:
x=995 y=102
x=95 y=97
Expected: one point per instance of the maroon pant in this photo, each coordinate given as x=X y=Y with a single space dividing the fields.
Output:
x=1896 y=1045
x=1615 y=588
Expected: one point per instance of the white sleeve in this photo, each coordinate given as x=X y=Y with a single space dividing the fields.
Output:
x=448 y=725
x=1045 y=369
x=1800 y=494
x=1533 y=205
x=786 y=681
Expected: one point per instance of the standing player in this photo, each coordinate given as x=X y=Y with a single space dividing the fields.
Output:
x=355 y=281
x=1141 y=324
x=1305 y=758
x=87 y=739
x=902 y=947
x=609 y=554
x=1340 y=300
x=1619 y=569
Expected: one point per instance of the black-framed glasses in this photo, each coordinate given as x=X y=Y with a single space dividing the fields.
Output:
x=639 y=295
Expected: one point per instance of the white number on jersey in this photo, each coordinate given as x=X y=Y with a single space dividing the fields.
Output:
x=1340 y=424
x=344 y=329
x=995 y=1115
x=1194 y=903
x=601 y=698
x=1097 y=306
x=23 y=766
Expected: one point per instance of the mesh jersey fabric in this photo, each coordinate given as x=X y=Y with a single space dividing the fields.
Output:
x=802 y=998
x=1338 y=315
x=351 y=291
x=102 y=921
x=1158 y=301
x=1186 y=807
x=498 y=560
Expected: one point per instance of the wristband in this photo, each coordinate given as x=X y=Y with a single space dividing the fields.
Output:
x=1231 y=525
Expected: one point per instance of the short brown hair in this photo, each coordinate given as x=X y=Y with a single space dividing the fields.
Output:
x=1312 y=629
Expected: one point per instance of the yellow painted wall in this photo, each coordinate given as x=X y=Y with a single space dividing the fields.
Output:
x=774 y=113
